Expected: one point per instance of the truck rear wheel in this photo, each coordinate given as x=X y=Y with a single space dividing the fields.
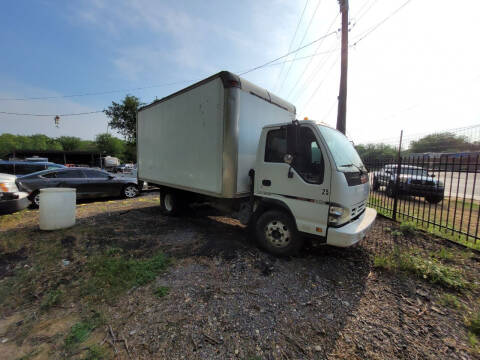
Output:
x=276 y=232
x=170 y=202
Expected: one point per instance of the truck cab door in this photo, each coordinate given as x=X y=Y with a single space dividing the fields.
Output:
x=303 y=186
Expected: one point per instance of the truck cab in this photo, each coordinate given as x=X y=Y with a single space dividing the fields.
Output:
x=309 y=182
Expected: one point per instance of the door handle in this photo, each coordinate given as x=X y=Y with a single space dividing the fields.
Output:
x=266 y=182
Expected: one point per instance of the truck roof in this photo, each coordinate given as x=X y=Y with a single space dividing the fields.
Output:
x=231 y=80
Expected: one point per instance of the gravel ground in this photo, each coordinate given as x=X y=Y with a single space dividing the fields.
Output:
x=228 y=299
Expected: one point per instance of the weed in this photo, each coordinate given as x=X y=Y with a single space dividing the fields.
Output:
x=52 y=298
x=114 y=251
x=473 y=323
x=450 y=300
x=443 y=254
x=82 y=330
x=428 y=269
x=408 y=228
x=96 y=352
x=396 y=233
x=473 y=340
x=161 y=291
x=112 y=275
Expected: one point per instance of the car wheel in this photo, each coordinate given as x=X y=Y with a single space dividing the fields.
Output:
x=170 y=202
x=434 y=199
x=130 y=191
x=35 y=199
x=276 y=232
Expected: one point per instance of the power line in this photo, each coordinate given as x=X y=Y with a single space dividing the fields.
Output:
x=93 y=93
x=308 y=65
x=301 y=42
x=289 y=53
x=375 y=27
x=321 y=83
x=46 y=115
x=291 y=41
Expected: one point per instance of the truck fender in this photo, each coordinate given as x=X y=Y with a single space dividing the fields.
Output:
x=266 y=204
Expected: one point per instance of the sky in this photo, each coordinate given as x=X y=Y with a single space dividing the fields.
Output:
x=417 y=71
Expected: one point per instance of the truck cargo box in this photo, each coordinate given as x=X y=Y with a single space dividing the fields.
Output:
x=204 y=138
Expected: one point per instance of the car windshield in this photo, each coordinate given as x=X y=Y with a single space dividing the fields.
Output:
x=342 y=149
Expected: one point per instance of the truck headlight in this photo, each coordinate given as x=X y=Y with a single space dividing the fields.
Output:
x=337 y=215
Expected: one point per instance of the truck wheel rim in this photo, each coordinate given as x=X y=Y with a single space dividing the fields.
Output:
x=168 y=202
x=36 y=199
x=277 y=234
x=130 y=191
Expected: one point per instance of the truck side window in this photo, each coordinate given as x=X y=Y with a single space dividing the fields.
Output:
x=276 y=146
x=308 y=160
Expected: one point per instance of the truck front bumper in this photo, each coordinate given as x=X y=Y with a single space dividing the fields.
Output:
x=353 y=232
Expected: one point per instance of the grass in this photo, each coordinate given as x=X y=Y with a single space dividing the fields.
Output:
x=51 y=299
x=82 y=330
x=473 y=326
x=421 y=209
x=112 y=275
x=96 y=352
x=430 y=270
x=450 y=300
x=161 y=291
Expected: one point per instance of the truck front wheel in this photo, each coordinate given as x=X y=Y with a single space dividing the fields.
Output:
x=170 y=202
x=276 y=232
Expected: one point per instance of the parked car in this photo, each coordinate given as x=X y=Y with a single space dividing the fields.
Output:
x=124 y=168
x=90 y=183
x=413 y=180
x=26 y=167
x=11 y=199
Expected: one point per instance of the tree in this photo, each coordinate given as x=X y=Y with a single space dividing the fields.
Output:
x=376 y=151
x=110 y=145
x=69 y=143
x=443 y=142
x=124 y=117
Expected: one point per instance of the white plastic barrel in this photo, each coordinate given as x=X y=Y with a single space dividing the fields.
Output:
x=57 y=208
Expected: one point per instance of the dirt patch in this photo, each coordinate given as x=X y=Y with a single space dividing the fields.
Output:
x=223 y=297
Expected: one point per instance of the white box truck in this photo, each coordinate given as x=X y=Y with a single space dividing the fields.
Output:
x=235 y=145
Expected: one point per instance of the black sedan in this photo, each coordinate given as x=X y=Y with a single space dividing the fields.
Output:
x=90 y=183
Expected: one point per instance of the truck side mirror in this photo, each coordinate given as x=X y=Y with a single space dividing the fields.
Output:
x=288 y=159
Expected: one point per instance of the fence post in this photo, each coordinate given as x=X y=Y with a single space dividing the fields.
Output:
x=397 y=179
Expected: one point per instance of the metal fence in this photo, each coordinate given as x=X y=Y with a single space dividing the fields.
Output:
x=437 y=192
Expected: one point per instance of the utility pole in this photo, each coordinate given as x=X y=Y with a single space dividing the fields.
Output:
x=342 y=94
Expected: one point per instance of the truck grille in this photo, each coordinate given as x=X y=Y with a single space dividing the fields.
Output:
x=358 y=209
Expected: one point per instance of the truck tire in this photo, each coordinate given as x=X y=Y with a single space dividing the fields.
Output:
x=433 y=199
x=170 y=202
x=276 y=232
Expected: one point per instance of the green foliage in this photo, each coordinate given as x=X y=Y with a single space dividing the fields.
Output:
x=443 y=254
x=112 y=275
x=376 y=151
x=69 y=143
x=407 y=228
x=124 y=117
x=443 y=142
x=162 y=291
x=110 y=145
x=473 y=323
x=52 y=298
x=451 y=301
x=430 y=270
x=96 y=352
x=82 y=330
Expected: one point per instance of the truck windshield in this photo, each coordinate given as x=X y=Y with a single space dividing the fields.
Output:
x=342 y=150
